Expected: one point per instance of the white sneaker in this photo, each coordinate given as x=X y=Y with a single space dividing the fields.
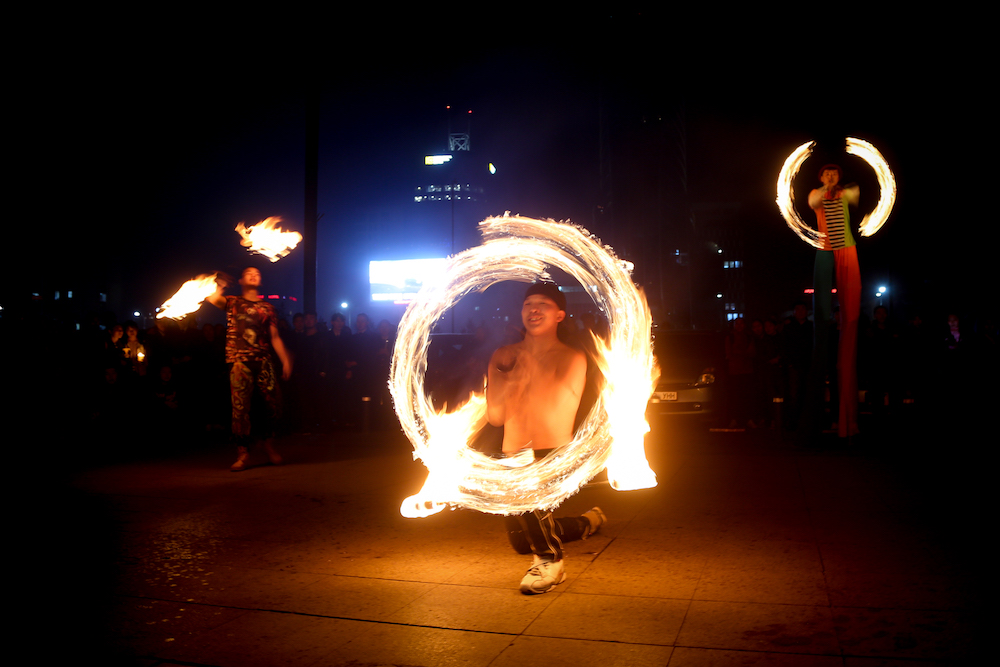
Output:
x=543 y=576
x=595 y=518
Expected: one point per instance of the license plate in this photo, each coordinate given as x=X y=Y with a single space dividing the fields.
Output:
x=665 y=395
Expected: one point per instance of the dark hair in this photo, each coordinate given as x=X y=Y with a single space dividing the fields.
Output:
x=834 y=167
x=548 y=290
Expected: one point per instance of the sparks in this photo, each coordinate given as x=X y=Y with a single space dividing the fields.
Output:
x=189 y=297
x=871 y=222
x=520 y=249
x=267 y=239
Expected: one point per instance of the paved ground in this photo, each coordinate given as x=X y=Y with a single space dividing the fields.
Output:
x=750 y=551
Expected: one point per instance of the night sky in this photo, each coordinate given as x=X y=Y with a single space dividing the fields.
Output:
x=157 y=147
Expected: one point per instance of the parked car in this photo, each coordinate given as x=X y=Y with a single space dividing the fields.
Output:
x=688 y=362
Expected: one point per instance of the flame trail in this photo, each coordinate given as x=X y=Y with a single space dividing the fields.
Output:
x=871 y=222
x=786 y=196
x=520 y=249
x=266 y=238
x=189 y=297
x=886 y=184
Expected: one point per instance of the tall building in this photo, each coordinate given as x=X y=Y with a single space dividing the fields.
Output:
x=454 y=180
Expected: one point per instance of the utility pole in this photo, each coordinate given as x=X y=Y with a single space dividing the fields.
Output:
x=311 y=190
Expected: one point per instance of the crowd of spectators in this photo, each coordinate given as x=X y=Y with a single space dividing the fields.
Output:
x=899 y=364
x=169 y=382
x=172 y=380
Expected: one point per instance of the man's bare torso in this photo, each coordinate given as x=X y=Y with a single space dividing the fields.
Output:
x=540 y=394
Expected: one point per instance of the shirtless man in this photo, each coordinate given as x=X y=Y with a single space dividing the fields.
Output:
x=251 y=334
x=533 y=390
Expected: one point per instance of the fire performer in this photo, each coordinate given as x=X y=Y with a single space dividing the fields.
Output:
x=251 y=333
x=533 y=390
x=839 y=255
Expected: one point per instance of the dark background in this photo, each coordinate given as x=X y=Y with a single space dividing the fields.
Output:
x=138 y=151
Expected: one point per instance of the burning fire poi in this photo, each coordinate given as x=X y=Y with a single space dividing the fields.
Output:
x=189 y=297
x=267 y=239
x=871 y=222
x=520 y=249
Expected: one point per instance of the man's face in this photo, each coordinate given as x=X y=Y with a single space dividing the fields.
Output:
x=310 y=321
x=800 y=313
x=362 y=323
x=250 y=278
x=540 y=313
x=830 y=177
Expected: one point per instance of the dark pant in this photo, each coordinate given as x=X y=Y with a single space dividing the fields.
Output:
x=538 y=533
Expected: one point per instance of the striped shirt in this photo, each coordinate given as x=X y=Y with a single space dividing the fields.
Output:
x=834 y=221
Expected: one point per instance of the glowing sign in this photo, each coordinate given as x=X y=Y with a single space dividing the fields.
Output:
x=400 y=280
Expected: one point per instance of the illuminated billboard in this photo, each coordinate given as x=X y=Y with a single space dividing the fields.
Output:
x=399 y=280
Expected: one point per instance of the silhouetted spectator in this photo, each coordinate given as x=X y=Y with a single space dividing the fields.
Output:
x=771 y=375
x=362 y=364
x=878 y=366
x=134 y=352
x=338 y=354
x=383 y=360
x=740 y=361
x=311 y=362
x=210 y=380
x=797 y=344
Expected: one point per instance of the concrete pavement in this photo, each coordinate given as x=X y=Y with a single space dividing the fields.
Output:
x=750 y=551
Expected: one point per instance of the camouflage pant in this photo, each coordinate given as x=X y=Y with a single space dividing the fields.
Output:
x=244 y=378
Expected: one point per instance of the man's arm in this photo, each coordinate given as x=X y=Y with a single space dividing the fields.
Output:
x=816 y=197
x=496 y=385
x=852 y=194
x=279 y=347
x=218 y=299
x=498 y=382
x=577 y=376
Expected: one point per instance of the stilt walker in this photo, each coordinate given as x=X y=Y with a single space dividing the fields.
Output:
x=838 y=257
